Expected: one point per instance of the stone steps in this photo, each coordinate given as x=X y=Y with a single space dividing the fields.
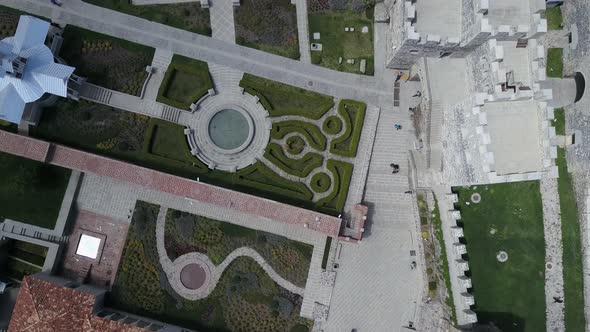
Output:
x=96 y=93
x=170 y=113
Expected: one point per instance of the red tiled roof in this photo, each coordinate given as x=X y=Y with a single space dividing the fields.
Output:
x=43 y=306
x=155 y=180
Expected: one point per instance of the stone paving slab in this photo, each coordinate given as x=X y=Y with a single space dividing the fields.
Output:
x=222 y=20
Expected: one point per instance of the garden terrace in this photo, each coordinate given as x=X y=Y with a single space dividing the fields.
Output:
x=353 y=113
x=342 y=173
x=311 y=132
x=298 y=167
x=31 y=192
x=329 y=19
x=185 y=81
x=509 y=218
x=186 y=16
x=268 y=25
x=154 y=180
x=186 y=233
x=110 y=62
x=245 y=298
x=281 y=99
x=23 y=259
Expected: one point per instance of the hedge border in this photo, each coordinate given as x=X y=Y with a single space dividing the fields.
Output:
x=315 y=182
x=294 y=151
x=327 y=129
x=334 y=202
x=312 y=133
x=298 y=167
x=257 y=86
x=353 y=130
x=180 y=63
x=289 y=189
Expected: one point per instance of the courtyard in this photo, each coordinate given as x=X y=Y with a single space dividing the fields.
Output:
x=509 y=218
x=244 y=298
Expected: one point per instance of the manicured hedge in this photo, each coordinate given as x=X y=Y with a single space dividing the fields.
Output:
x=193 y=67
x=298 y=167
x=312 y=133
x=262 y=178
x=320 y=182
x=354 y=116
x=332 y=125
x=295 y=145
x=281 y=99
x=342 y=172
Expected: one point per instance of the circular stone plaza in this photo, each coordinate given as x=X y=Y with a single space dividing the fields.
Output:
x=230 y=131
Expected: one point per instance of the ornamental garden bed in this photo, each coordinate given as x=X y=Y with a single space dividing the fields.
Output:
x=185 y=81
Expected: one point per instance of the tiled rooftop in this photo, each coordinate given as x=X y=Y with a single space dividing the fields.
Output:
x=43 y=306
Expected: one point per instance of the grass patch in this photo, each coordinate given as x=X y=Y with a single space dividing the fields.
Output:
x=281 y=99
x=107 y=61
x=342 y=174
x=554 y=18
x=311 y=132
x=31 y=192
x=337 y=43
x=509 y=218
x=444 y=262
x=186 y=16
x=187 y=233
x=298 y=167
x=353 y=114
x=268 y=25
x=555 y=62
x=573 y=275
x=245 y=297
x=559 y=121
x=185 y=81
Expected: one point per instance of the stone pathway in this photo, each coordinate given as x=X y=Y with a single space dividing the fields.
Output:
x=173 y=268
x=222 y=20
x=302 y=30
x=553 y=255
x=358 y=87
x=160 y=63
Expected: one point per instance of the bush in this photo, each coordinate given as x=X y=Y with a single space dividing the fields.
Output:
x=261 y=178
x=353 y=113
x=281 y=99
x=320 y=182
x=295 y=145
x=312 y=133
x=298 y=167
x=342 y=173
x=332 y=125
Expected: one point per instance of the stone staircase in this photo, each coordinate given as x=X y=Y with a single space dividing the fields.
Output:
x=23 y=230
x=96 y=93
x=435 y=125
x=170 y=113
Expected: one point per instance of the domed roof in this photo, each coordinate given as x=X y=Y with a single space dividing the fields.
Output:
x=28 y=69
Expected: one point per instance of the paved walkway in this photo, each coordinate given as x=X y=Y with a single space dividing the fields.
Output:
x=358 y=87
x=160 y=64
x=302 y=30
x=222 y=20
x=173 y=268
x=553 y=255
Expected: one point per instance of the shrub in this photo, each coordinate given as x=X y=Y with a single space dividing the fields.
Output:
x=332 y=125
x=312 y=133
x=184 y=73
x=295 y=145
x=298 y=167
x=353 y=113
x=320 y=182
x=261 y=178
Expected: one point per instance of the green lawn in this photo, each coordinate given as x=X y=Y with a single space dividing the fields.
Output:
x=509 y=218
x=337 y=43
x=186 y=81
x=186 y=16
x=555 y=62
x=106 y=61
x=281 y=99
x=554 y=18
x=268 y=25
x=187 y=232
x=31 y=192
x=559 y=121
x=245 y=298
x=573 y=275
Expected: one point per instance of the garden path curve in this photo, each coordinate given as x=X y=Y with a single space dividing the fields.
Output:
x=213 y=273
